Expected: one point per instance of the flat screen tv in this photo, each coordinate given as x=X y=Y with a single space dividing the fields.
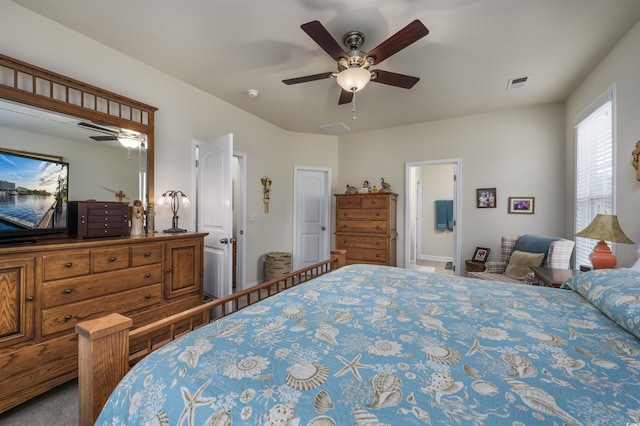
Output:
x=33 y=196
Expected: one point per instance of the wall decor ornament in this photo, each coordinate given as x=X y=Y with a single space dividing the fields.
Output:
x=635 y=160
x=486 y=198
x=266 y=192
x=522 y=205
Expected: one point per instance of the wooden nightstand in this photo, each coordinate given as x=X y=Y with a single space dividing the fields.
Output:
x=473 y=266
x=552 y=277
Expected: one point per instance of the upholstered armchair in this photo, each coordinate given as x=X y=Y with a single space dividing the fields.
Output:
x=550 y=252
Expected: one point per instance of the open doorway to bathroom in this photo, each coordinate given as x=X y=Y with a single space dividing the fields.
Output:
x=432 y=231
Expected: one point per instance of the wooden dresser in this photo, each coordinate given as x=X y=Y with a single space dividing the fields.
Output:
x=48 y=287
x=366 y=227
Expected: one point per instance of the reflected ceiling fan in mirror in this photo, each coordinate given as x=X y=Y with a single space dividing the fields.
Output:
x=353 y=66
x=127 y=138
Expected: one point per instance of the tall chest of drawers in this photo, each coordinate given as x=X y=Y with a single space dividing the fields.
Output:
x=366 y=227
x=50 y=286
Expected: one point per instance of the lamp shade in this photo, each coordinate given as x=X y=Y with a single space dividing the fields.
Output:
x=129 y=141
x=353 y=79
x=605 y=227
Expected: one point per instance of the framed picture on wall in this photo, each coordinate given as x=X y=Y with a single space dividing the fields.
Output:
x=486 y=198
x=521 y=205
x=480 y=255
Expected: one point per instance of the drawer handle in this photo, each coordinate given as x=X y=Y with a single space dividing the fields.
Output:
x=112 y=259
x=147 y=296
x=147 y=254
x=67 y=291
x=147 y=275
x=67 y=317
x=30 y=298
x=82 y=218
x=105 y=225
x=68 y=265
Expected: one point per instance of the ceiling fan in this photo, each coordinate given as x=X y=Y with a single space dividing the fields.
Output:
x=127 y=138
x=353 y=66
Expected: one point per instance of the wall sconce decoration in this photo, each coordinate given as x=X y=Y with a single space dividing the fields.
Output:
x=175 y=198
x=266 y=190
x=635 y=162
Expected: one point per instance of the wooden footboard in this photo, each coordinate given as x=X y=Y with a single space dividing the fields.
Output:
x=106 y=347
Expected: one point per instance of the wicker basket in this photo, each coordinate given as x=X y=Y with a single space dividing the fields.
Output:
x=277 y=263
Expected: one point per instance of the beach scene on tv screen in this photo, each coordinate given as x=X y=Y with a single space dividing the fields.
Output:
x=33 y=193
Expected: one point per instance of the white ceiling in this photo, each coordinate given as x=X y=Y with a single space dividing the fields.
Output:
x=474 y=47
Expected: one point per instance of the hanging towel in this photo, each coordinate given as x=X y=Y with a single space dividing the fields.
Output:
x=444 y=215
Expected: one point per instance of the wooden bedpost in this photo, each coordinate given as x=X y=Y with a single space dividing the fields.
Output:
x=103 y=360
x=341 y=257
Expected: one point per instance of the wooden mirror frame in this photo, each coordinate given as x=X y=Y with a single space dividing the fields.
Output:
x=48 y=90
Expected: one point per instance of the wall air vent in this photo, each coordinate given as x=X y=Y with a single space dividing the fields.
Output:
x=334 y=128
x=517 y=83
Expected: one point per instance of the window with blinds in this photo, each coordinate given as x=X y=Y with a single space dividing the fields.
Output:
x=594 y=169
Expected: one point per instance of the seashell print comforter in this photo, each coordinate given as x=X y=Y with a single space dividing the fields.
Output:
x=376 y=345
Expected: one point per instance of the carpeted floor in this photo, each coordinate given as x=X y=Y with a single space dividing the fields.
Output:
x=57 y=407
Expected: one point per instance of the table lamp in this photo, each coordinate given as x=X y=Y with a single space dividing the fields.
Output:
x=604 y=227
x=175 y=197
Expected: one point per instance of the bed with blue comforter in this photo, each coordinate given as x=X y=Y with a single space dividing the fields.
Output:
x=375 y=345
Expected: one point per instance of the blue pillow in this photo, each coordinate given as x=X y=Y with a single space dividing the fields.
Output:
x=535 y=244
x=615 y=292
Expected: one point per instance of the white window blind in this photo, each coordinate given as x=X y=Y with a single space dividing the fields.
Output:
x=594 y=170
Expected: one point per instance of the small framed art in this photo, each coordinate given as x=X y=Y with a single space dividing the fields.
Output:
x=521 y=205
x=480 y=255
x=486 y=198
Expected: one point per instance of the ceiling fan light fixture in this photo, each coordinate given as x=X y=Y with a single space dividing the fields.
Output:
x=353 y=79
x=129 y=141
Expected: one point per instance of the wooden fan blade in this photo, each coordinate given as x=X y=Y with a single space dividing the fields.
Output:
x=403 y=38
x=320 y=35
x=345 y=97
x=103 y=138
x=307 y=78
x=394 y=79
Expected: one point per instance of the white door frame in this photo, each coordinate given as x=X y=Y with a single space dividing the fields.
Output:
x=327 y=184
x=456 y=162
x=241 y=217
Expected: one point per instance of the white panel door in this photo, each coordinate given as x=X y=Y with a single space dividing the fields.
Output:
x=311 y=216
x=214 y=214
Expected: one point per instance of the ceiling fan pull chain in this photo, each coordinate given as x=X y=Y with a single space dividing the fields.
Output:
x=353 y=110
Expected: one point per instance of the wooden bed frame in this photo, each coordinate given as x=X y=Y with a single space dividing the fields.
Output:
x=107 y=348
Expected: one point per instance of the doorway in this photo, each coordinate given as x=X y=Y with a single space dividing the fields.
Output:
x=311 y=215
x=219 y=181
x=432 y=216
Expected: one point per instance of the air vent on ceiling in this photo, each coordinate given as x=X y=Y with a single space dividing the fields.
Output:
x=517 y=83
x=334 y=128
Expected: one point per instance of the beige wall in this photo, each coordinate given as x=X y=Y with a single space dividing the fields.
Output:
x=520 y=152
x=437 y=184
x=184 y=114
x=622 y=68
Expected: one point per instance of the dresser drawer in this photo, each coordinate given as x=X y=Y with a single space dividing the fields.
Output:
x=110 y=259
x=349 y=202
x=375 y=202
x=348 y=242
x=363 y=214
x=105 y=209
x=367 y=255
x=368 y=227
x=65 y=265
x=61 y=318
x=146 y=254
x=59 y=292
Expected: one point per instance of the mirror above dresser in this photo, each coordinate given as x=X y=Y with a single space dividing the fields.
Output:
x=43 y=113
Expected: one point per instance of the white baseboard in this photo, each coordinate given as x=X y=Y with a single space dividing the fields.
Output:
x=436 y=258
